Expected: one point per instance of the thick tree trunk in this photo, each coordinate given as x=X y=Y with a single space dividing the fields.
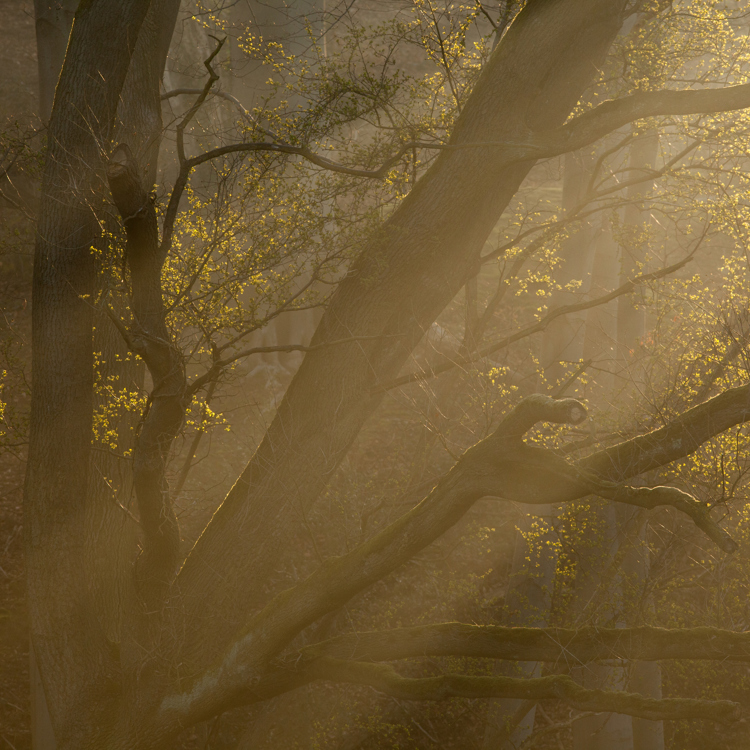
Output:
x=76 y=660
x=403 y=278
x=53 y=19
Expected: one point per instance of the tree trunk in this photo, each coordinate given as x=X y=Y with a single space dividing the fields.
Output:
x=617 y=730
x=53 y=20
x=600 y=343
x=631 y=318
x=645 y=678
x=417 y=263
x=563 y=339
x=528 y=604
x=76 y=660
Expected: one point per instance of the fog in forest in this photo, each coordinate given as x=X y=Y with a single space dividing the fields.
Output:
x=374 y=374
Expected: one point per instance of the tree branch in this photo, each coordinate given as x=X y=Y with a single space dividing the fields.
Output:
x=385 y=679
x=611 y=115
x=537 y=327
x=554 y=645
x=501 y=465
x=220 y=364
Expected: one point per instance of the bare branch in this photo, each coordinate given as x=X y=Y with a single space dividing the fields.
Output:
x=198 y=103
x=652 y=497
x=385 y=679
x=221 y=364
x=554 y=645
x=611 y=115
x=537 y=327
x=223 y=95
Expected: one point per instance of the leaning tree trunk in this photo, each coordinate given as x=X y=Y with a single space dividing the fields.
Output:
x=415 y=265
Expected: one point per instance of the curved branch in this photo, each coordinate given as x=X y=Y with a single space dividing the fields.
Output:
x=537 y=327
x=613 y=114
x=540 y=408
x=652 y=497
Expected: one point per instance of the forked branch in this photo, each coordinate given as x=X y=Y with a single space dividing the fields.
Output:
x=150 y=338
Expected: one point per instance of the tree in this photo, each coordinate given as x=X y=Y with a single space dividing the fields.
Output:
x=223 y=630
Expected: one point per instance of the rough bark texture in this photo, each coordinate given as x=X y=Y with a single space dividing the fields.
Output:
x=79 y=673
x=53 y=19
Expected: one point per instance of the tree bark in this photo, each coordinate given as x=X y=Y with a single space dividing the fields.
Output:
x=403 y=278
x=79 y=671
x=53 y=20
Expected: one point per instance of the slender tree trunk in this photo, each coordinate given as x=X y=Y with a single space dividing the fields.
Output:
x=563 y=339
x=616 y=730
x=600 y=343
x=631 y=317
x=631 y=327
x=527 y=603
x=593 y=576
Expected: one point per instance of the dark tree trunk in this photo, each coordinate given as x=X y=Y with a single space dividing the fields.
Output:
x=53 y=19
x=79 y=671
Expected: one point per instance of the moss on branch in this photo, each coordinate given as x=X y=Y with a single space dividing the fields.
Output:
x=385 y=679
